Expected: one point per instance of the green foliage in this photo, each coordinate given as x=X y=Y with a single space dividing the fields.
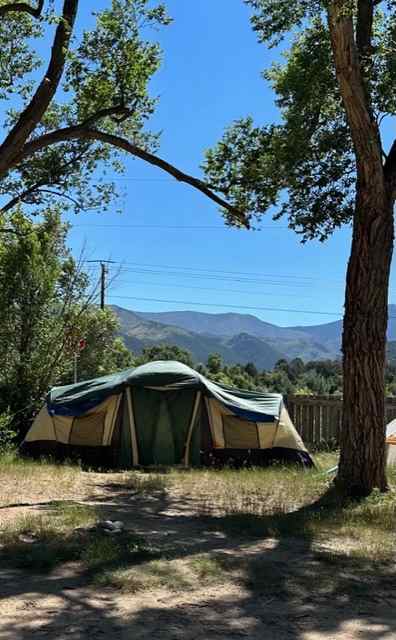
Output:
x=113 y=65
x=273 y=19
x=45 y=309
x=165 y=352
x=321 y=377
x=7 y=434
x=304 y=166
x=214 y=363
x=18 y=58
x=315 y=377
x=103 y=353
x=108 y=67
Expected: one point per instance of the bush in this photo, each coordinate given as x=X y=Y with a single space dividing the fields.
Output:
x=7 y=434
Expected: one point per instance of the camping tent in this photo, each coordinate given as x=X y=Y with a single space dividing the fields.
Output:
x=164 y=413
x=391 y=443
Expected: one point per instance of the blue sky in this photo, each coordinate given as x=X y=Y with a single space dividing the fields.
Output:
x=210 y=76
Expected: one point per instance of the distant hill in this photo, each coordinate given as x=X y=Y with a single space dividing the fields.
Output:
x=330 y=331
x=239 y=338
x=391 y=352
x=329 y=334
x=221 y=324
x=291 y=342
x=138 y=333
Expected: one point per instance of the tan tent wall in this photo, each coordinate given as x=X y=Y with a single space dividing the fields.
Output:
x=286 y=435
x=391 y=454
x=60 y=428
x=391 y=443
x=113 y=424
x=42 y=428
x=229 y=431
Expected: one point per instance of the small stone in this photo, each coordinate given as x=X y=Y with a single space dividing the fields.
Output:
x=27 y=539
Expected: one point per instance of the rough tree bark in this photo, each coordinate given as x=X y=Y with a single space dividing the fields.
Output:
x=362 y=461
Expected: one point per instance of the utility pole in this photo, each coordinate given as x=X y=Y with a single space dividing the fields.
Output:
x=103 y=273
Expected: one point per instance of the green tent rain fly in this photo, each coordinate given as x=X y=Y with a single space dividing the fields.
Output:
x=164 y=413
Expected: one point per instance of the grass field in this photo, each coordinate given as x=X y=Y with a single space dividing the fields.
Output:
x=57 y=522
x=249 y=549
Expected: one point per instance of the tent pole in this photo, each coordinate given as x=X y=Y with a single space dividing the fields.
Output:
x=191 y=427
x=132 y=427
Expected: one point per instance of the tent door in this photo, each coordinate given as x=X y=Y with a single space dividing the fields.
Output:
x=163 y=421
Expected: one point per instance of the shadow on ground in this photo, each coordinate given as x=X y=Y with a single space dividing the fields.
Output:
x=272 y=584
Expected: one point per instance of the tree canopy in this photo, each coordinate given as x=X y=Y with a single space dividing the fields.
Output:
x=304 y=165
x=68 y=117
x=46 y=308
x=326 y=162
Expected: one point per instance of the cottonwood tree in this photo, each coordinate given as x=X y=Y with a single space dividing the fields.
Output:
x=46 y=308
x=325 y=163
x=67 y=117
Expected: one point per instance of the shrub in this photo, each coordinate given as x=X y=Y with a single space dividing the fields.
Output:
x=7 y=434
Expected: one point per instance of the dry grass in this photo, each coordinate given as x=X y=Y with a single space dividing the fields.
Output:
x=28 y=481
x=278 y=502
x=248 y=491
x=170 y=574
x=284 y=501
x=40 y=542
x=67 y=533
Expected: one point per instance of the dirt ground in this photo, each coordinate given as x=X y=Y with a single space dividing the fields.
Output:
x=292 y=588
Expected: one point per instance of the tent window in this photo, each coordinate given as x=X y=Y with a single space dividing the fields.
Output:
x=88 y=430
x=240 y=434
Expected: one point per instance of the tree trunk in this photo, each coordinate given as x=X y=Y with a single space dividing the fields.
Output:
x=362 y=461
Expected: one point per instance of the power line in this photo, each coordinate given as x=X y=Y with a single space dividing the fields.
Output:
x=228 y=306
x=187 y=268
x=174 y=227
x=196 y=276
x=189 y=286
x=225 y=272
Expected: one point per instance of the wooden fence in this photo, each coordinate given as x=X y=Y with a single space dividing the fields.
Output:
x=318 y=418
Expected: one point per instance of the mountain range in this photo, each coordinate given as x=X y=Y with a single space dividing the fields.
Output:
x=239 y=338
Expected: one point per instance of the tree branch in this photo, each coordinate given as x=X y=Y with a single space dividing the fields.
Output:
x=37 y=189
x=22 y=7
x=39 y=103
x=38 y=185
x=364 y=27
x=390 y=170
x=81 y=132
x=111 y=112
x=19 y=198
x=14 y=232
x=61 y=195
x=364 y=130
